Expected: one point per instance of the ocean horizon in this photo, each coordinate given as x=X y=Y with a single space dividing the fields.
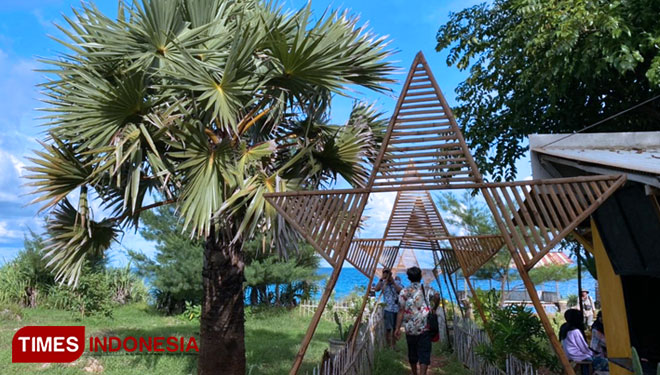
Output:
x=350 y=279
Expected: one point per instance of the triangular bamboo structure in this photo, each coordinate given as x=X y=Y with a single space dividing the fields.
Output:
x=424 y=146
x=473 y=252
x=327 y=221
x=539 y=214
x=423 y=149
x=364 y=254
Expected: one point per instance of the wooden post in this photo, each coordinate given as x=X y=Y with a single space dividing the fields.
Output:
x=444 y=311
x=579 y=277
x=529 y=285
x=316 y=318
x=615 y=320
x=453 y=287
x=480 y=307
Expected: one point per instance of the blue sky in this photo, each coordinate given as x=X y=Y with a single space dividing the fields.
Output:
x=24 y=29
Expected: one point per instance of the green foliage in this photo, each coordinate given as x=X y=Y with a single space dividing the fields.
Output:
x=572 y=300
x=126 y=286
x=12 y=285
x=26 y=279
x=472 y=215
x=174 y=273
x=343 y=334
x=292 y=277
x=551 y=67
x=192 y=312
x=92 y=296
x=490 y=300
x=516 y=330
x=209 y=103
x=553 y=272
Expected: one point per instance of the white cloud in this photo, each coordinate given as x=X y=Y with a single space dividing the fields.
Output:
x=7 y=234
x=378 y=210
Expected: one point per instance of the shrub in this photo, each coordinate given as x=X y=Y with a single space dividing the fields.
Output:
x=92 y=296
x=12 y=285
x=192 y=312
x=516 y=330
x=572 y=300
x=126 y=286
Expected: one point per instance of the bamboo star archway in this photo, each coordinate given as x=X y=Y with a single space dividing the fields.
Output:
x=424 y=149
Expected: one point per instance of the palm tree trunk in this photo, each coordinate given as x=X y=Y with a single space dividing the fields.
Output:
x=222 y=331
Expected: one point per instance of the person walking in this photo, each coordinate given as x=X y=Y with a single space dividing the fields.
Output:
x=415 y=304
x=587 y=307
x=391 y=287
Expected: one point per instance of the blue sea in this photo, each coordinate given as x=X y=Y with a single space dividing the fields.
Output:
x=350 y=279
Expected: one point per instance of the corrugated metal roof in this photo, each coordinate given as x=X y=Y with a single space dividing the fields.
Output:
x=633 y=151
x=556 y=258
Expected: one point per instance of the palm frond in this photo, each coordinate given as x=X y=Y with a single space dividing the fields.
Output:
x=74 y=239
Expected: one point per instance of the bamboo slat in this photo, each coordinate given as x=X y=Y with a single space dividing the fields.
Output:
x=423 y=110
x=364 y=255
x=541 y=213
x=324 y=220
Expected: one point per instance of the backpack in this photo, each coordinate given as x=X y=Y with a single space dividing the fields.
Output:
x=432 y=320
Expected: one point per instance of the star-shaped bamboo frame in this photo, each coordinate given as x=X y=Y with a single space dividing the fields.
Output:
x=424 y=149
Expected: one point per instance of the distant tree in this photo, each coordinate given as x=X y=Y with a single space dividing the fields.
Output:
x=551 y=67
x=289 y=278
x=174 y=271
x=553 y=272
x=467 y=213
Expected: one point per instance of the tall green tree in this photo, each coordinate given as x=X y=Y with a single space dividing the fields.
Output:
x=551 y=67
x=289 y=278
x=174 y=271
x=210 y=104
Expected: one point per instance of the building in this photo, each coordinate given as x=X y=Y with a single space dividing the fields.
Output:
x=623 y=234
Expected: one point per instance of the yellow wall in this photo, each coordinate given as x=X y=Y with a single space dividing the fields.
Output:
x=615 y=319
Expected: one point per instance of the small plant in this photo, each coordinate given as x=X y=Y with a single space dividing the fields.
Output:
x=637 y=364
x=515 y=330
x=92 y=296
x=572 y=300
x=192 y=311
x=343 y=334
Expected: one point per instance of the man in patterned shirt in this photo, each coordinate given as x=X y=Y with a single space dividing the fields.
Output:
x=415 y=303
x=391 y=288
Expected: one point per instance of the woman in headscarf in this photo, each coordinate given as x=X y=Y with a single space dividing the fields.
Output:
x=571 y=335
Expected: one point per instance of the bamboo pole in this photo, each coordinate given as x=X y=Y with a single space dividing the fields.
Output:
x=326 y=294
x=365 y=299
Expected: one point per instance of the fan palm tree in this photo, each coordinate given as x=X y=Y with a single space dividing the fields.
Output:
x=206 y=105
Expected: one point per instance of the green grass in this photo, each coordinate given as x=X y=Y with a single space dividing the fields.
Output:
x=272 y=338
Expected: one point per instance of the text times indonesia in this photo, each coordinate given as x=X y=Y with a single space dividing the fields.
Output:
x=61 y=344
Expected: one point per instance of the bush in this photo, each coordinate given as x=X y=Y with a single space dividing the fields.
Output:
x=572 y=300
x=516 y=330
x=192 y=312
x=125 y=286
x=12 y=285
x=92 y=296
